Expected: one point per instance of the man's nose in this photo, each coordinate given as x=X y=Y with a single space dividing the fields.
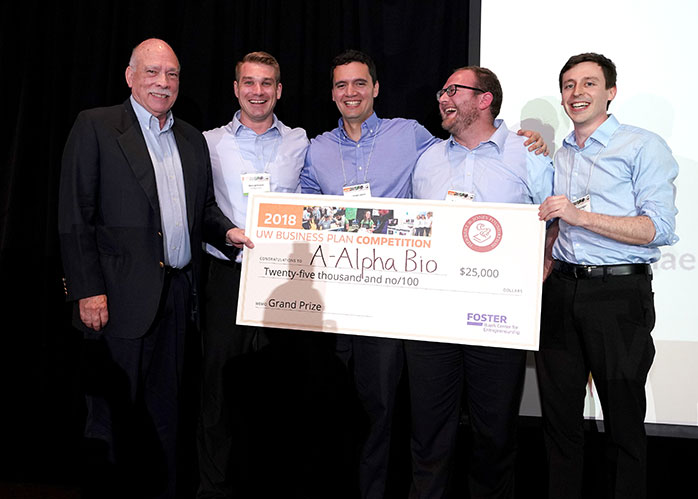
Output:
x=162 y=79
x=352 y=89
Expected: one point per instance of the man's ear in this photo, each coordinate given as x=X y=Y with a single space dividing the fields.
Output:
x=129 y=76
x=486 y=100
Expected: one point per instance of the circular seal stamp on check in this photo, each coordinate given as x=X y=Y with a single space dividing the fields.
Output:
x=482 y=233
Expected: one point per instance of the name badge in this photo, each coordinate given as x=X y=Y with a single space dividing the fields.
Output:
x=255 y=182
x=583 y=203
x=358 y=190
x=459 y=196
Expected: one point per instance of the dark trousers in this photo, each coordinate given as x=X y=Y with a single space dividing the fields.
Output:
x=600 y=326
x=493 y=380
x=376 y=365
x=133 y=412
x=275 y=405
x=229 y=375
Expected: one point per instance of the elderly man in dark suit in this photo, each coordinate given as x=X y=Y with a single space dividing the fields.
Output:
x=136 y=201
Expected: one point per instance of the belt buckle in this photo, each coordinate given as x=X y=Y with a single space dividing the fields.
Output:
x=584 y=271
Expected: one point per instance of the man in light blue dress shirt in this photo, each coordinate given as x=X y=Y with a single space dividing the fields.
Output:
x=614 y=203
x=379 y=154
x=254 y=152
x=481 y=161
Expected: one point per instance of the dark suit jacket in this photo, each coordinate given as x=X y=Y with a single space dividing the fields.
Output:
x=109 y=215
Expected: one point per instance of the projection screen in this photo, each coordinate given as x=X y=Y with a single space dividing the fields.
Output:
x=653 y=46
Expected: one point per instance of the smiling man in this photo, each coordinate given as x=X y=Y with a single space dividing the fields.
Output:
x=153 y=77
x=614 y=203
x=135 y=204
x=254 y=152
x=482 y=161
x=378 y=154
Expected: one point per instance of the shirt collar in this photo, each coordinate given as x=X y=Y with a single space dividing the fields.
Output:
x=498 y=138
x=370 y=124
x=148 y=121
x=602 y=134
x=236 y=126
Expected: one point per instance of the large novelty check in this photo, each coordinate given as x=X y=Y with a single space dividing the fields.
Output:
x=466 y=273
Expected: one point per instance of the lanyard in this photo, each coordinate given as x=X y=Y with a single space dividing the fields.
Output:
x=476 y=176
x=571 y=165
x=370 y=154
x=274 y=146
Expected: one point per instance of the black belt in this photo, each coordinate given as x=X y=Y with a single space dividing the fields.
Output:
x=591 y=271
x=171 y=271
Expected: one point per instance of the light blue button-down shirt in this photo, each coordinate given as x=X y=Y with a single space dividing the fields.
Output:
x=236 y=149
x=498 y=170
x=384 y=156
x=628 y=172
x=169 y=178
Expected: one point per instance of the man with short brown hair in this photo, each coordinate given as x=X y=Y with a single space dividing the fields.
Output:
x=482 y=161
x=254 y=152
x=614 y=205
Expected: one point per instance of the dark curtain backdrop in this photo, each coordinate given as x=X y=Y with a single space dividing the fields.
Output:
x=61 y=57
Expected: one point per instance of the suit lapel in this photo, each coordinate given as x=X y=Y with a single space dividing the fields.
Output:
x=132 y=143
x=189 y=171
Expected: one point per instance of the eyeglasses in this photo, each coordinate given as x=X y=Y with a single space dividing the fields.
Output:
x=453 y=88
